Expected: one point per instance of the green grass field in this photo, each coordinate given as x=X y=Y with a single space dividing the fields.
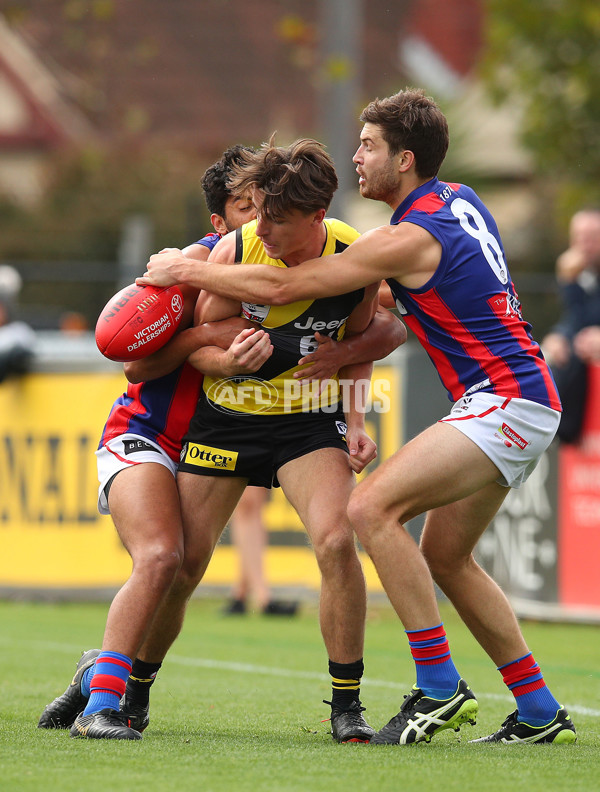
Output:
x=237 y=706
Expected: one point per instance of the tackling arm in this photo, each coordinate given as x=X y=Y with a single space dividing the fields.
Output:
x=249 y=350
x=175 y=352
x=388 y=251
x=185 y=343
x=381 y=337
x=354 y=381
x=188 y=340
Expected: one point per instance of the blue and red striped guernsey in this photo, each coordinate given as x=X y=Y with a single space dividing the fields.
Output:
x=468 y=316
x=159 y=410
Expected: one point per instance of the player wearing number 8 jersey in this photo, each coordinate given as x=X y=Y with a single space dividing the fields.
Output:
x=443 y=259
x=468 y=316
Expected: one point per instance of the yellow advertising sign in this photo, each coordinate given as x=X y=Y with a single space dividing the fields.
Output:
x=51 y=532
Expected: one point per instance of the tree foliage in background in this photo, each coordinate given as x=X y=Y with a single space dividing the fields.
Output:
x=89 y=195
x=545 y=55
x=80 y=219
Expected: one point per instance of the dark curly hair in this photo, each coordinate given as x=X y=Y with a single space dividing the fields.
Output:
x=215 y=179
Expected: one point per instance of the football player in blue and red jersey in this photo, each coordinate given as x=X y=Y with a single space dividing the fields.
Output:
x=445 y=264
x=137 y=458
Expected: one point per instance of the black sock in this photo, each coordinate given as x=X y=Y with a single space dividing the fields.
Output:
x=345 y=682
x=140 y=681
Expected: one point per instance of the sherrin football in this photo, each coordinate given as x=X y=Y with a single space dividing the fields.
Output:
x=138 y=321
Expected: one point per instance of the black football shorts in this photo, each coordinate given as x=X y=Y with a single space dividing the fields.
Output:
x=255 y=446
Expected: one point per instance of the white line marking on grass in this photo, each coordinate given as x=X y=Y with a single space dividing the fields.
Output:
x=249 y=668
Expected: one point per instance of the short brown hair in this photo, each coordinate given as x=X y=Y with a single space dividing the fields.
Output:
x=300 y=176
x=412 y=121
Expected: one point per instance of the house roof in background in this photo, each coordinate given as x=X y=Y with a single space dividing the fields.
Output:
x=204 y=74
x=33 y=109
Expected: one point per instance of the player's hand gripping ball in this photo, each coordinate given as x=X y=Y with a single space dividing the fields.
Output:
x=138 y=321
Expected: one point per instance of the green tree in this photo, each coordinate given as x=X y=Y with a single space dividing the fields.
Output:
x=545 y=56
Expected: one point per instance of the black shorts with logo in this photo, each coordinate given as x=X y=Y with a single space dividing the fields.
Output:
x=255 y=446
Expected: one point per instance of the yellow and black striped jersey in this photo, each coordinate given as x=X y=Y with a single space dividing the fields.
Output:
x=272 y=390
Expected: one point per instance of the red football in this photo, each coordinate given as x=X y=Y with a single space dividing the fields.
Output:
x=138 y=321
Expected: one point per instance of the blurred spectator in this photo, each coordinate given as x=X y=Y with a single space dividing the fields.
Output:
x=17 y=339
x=73 y=323
x=575 y=340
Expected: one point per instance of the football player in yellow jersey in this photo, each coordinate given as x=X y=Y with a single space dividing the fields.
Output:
x=266 y=431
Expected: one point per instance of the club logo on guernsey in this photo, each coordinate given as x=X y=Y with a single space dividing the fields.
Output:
x=512 y=438
x=505 y=304
x=255 y=312
x=209 y=457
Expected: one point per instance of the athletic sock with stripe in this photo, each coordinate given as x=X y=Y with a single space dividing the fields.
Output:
x=535 y=703
x=107 y=685
x=345 y=682
x=140 y=681
x=436 y=675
